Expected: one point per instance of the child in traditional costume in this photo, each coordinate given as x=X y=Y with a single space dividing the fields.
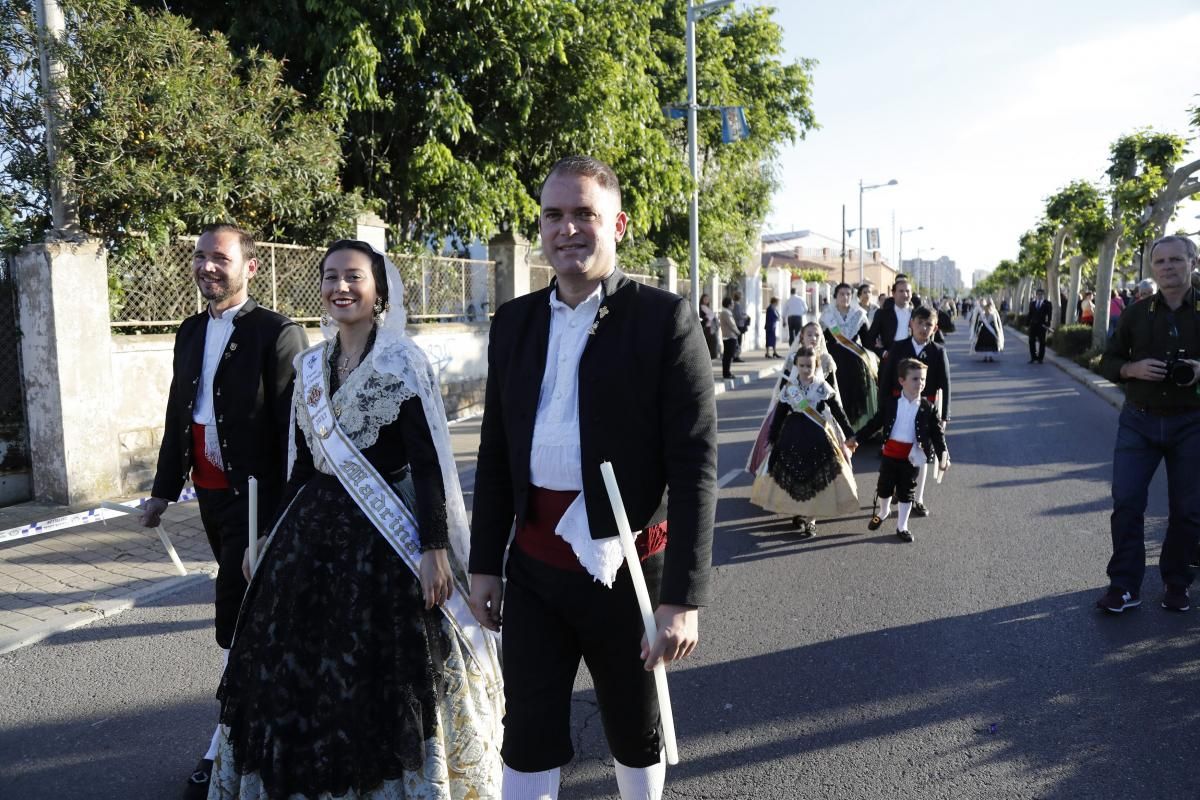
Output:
x=915 y=437
x=987 y=331
x=807 y=473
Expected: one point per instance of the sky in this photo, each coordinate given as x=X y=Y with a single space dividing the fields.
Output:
x=979 y=110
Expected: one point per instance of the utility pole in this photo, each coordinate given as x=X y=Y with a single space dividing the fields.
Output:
x=695 y=13
x=51 y=27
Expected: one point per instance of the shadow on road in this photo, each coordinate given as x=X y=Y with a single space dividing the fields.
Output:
x=1048 y=695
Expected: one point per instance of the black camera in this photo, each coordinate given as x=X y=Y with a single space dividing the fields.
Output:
x=1179 y=371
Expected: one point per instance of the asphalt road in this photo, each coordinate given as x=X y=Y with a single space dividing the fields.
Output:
x=969 y=664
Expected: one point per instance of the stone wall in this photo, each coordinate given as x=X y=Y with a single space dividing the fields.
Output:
x=141 y=369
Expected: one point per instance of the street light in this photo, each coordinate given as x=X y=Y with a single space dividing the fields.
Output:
x=695 y=13
x=900 y=258
x=861 y=189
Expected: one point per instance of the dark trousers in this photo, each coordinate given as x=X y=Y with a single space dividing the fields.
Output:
x=552 y=619
x=1143 y=440
x=728 y=349
x=225 y=517
x=1037 y=343
x=897 y=478
x=795 y=325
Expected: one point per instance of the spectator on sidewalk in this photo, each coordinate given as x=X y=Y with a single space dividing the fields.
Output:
x=729 y=334
x=1145 y=288
x=794 y=311
x=866 y=303
x=227 y=420
x=772 y=327
x=708 y=322
x=1159 y=421
x=743 y=324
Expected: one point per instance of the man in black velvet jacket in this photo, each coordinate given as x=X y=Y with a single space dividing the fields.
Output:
x=595 y=367
x=1039 y=318
x=227 y=419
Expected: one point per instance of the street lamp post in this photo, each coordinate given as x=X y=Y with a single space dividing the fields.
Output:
x=695 y=13
x=900 y=258
x=861 y=189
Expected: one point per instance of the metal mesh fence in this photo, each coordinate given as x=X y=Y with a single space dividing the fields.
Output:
x=151 y=286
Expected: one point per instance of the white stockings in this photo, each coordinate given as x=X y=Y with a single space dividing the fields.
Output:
x=530 y=785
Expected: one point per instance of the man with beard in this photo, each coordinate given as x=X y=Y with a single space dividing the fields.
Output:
x=593 y=368
x=227 y=420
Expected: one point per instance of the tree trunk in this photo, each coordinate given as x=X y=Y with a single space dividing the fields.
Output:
x=1104 y=280
x=1180 y=187
x=1073 y=288
x=1060 y=238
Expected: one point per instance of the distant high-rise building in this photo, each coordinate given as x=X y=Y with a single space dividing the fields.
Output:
x=940 y=277
x=979 y=276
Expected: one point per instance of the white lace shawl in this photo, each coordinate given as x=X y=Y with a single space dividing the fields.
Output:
x=850 y=324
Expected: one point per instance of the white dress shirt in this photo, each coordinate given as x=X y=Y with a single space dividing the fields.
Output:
x=795 y=307
x=904 y=429
x=554 y=460
x=216 y=337
x=903 y=315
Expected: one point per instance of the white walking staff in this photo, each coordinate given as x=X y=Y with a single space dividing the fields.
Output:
x=252 y=527
x=643 y=596
x=162 y=534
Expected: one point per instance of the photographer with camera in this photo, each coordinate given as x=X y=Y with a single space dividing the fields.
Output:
x=1153 y=354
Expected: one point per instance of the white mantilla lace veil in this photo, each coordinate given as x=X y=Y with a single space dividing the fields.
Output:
x=395 y=353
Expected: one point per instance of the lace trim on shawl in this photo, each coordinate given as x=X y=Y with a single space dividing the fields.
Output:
x=365 y=402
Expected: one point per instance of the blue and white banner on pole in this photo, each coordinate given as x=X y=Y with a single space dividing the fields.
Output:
x=872 y=238
x=733 y=124
x=675 y=112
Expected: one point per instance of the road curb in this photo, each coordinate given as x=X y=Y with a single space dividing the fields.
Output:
x=1101 y=387
x=100 y=610
x=729 y=384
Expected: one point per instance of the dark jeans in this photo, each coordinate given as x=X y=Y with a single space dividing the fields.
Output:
x=1037 y=343
x=729 y=348
x=552 y=619
x=1144 y=439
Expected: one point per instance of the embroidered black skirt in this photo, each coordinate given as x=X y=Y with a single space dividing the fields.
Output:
x=336 y=669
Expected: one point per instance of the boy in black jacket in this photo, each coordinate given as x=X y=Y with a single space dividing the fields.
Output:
x=915 y=437
x=924 y=348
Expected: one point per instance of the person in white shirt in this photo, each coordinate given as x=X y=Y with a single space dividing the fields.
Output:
x=915 y=437
x=794 y=311
x=576 y=378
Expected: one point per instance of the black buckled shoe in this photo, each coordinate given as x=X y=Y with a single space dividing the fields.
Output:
x=197 y=782
x=919 y=510
x=904 y=536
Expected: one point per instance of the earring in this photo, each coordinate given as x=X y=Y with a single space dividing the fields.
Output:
x=326 y=320
x=379 y=307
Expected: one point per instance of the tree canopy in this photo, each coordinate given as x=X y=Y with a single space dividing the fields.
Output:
x=452 y=111
x=166 y=129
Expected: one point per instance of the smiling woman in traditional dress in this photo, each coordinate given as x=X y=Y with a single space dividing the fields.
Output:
x=357 y=670
x=845 y=324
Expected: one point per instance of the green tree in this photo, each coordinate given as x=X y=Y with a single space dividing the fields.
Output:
x=1146 y=184
x=1079 y=215
x=167 y=130
x=454 y=109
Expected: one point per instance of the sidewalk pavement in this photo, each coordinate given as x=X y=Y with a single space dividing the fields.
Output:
x=1104 y=388
x=64 y=579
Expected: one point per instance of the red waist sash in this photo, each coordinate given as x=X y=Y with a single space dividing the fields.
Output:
x=205 y=474
x=894 y=449
x=536 y=536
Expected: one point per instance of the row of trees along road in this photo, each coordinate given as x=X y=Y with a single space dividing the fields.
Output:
x=442 y=115
x=1091 y=229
